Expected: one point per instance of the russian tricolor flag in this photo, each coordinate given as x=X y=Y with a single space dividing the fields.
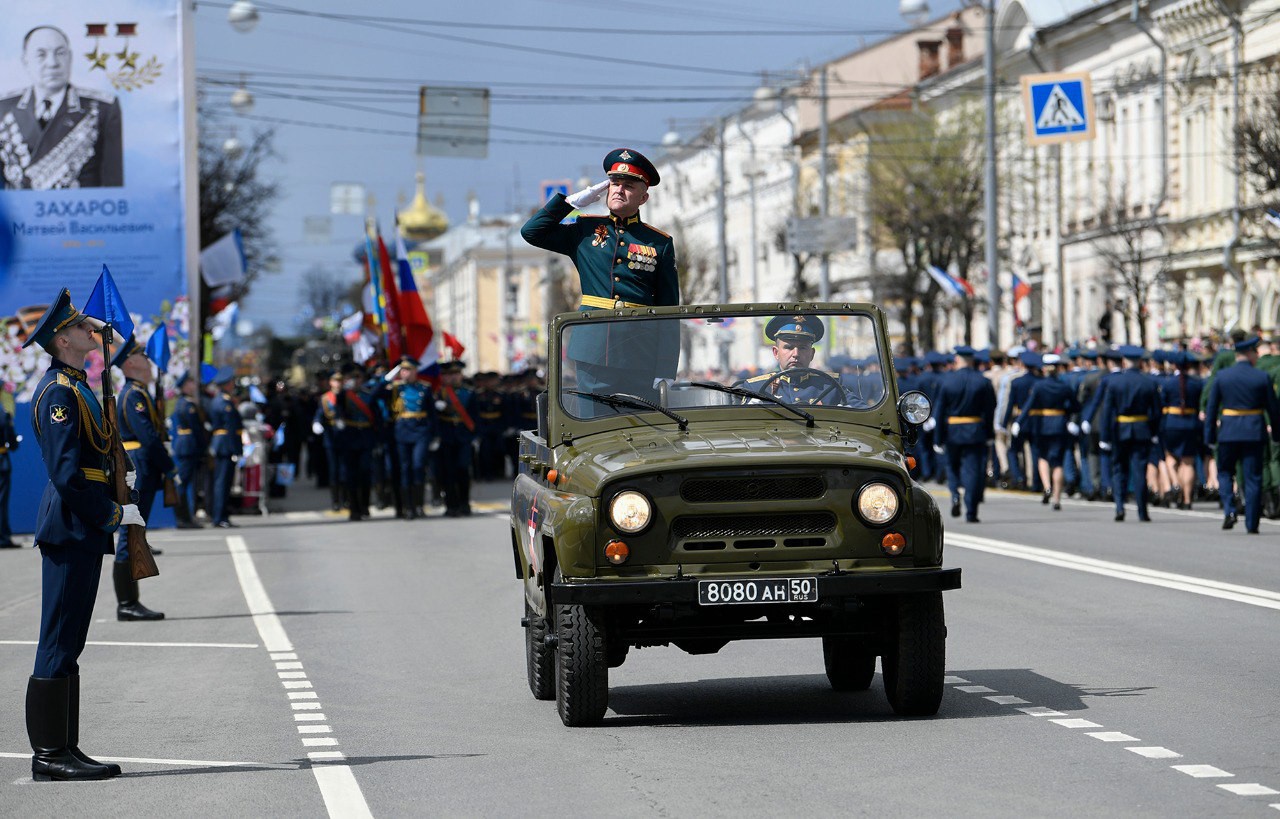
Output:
x=952 y=285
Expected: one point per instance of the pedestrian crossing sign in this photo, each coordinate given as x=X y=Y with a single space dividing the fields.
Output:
x=1059 y=107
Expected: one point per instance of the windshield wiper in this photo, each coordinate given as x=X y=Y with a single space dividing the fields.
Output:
x=746 y=393
x=622 y=399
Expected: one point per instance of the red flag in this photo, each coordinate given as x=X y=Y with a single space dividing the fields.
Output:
x=391 y=308
x=455 y=346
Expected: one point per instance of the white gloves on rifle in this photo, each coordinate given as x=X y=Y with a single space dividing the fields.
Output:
x=130 y=516
x=587 y=196
x=317 y=427
x=1105 y=446
x=1073 y=428
x=1014 y=429
x=130 y=478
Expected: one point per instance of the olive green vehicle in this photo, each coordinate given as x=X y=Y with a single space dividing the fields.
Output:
x=733 y=501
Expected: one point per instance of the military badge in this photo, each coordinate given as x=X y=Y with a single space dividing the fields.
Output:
x=625 y=156
x=140 y=407
x=130 y=76
x=58 y=414
x=601 y=236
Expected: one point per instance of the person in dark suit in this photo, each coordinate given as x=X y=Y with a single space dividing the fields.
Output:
x=1127 y=428
x=227 y=447
x=966 y=414
x=1242 y=403
x=74 y=526
x=9 y=440
x=622 y=263
x=54 y=134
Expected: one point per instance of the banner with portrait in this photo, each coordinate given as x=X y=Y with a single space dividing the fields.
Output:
x=94 y=169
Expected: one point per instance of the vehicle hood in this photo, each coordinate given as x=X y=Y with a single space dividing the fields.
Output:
x=588 y=462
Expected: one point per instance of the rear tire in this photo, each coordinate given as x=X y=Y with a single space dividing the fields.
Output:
x=582 y=667
x=540 y=659
x=850 y=667
x=915 y=663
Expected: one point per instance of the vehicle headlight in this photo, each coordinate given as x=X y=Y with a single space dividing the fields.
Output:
x=630 y=511
x=877 y=503
x=915 y=407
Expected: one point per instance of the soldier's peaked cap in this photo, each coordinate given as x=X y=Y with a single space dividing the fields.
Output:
x=59 y=316
x=630 y=162
x=1247 y=344
x=125 y=350
x=965 y=350
x=798 y=328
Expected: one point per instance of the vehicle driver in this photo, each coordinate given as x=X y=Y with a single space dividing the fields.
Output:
x=795 y=381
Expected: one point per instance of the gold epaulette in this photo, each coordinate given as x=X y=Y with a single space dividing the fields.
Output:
x=63 y=381
x=755 y=378
x=95 y=94
x=655 y=230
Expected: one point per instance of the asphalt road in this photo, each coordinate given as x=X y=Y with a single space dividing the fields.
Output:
x=1096 y=669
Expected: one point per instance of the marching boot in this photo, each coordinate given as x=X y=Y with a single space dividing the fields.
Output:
x=465 y=497
x=48 y=702
x=73 y=729
x=128 y=607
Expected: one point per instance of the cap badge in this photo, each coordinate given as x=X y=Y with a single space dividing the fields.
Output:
x=625 y=156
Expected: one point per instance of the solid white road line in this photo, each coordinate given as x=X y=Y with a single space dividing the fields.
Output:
x=1263 y=598
x=141 y=645
x=338 y=786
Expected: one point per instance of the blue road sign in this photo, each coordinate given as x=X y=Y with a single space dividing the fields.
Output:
x=550 y=189
x=1059 y=107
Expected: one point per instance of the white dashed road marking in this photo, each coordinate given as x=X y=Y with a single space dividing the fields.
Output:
x=1155 y=752
x=338 y=786
x=1200 y=771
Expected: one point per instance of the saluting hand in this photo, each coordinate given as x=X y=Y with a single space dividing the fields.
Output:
x=588 y=196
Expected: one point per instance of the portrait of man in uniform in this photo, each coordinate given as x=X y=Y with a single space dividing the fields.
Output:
x=53 y=134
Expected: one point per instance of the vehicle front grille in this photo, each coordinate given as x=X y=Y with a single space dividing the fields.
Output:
x=730 y=490
x=699 y=527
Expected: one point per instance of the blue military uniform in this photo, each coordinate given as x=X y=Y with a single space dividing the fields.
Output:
x=74 y=525
x=1128 y=425
x=966 y=411
x=621 y=262
x=226 y=447
x=8 y=443
x=1045 y=416
x=491 y=422
x=803 y=386
x=1019 y=390
x=522 y=414
x=456 y=413
x=413 y=407
x=1242 y=402
x=189 y=431
x=1091 y=414
x=1180 y=429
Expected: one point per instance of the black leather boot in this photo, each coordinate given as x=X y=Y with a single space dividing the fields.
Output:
x=47 y=723
x=73 y=729
x=127 y=606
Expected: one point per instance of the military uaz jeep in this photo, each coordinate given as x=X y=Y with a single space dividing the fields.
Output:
x=702 y=474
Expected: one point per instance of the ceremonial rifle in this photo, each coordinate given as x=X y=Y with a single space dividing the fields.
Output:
x=142 y=563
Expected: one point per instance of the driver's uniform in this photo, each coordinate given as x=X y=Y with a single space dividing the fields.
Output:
x=804 y=387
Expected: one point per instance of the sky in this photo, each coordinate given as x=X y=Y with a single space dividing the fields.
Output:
x=569 y=80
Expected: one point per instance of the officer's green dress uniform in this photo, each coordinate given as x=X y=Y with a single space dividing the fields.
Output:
x=74 y=524
x=621 y=263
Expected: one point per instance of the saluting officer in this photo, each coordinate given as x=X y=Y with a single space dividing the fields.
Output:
x=456 y=413
x=1127 y=429
x=1047 y=420
x=140 y=426
x=413 y=408
x=621 y=262
x=226 y=444
x=189 y=431
x=74 y=525
x=966 y=422
x=1241 y=394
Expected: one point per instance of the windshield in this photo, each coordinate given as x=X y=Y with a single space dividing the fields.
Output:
x=799 y=361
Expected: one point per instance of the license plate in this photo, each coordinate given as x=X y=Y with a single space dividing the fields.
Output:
x=758 y=590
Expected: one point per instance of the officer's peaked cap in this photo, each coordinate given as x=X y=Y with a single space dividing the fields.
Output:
x=1247 y=344
x=965 y=350
x=58 y=316
x=1132 y=352
x=795 y=328
x=224 y=375
x=630 y=162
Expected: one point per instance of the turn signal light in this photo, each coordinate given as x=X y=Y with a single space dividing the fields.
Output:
x=617 y=552
x=911 y=462
x=893 y=544
x=553 y=477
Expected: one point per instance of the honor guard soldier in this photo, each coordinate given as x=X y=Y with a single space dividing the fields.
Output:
x=189 y=431
x=622 y=263
x=226 y=445
x=1127 y=429
x=795 y=382
x=1181 y=431
x=1242 y=403
x=1047 y=420
x=326 y=426
x=140 y=426
x=74 y=528
x=9 y=440
x=413 y=408
x=966 y=422
x=456 y=412
x=490 y=424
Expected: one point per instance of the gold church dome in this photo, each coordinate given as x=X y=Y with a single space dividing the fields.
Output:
x=421 y=221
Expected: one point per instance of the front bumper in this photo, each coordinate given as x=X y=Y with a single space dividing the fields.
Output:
x=685 y=590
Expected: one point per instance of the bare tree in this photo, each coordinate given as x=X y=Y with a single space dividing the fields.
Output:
x=1134 y=251
x=1259 y=140
x=926 y=202
x=328 y=293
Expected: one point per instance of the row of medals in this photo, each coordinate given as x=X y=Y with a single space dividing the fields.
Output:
x=642 y=257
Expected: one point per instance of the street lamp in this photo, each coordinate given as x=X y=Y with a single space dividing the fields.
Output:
x=242 y=100
x=243 y=16
x=233 y=148
x=916 y=12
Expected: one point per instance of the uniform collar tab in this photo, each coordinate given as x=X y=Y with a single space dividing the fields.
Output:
x=633 y=219
x=78 y=374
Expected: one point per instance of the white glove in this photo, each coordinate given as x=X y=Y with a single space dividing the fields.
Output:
x=19 y=439
x=440 y=405
x=1073 y=428
x=939 y=448
x=434 y=445
x=317 y=427
x=1086 y=428
x=130 y=478
x=668 y=381
x=391 y=376
x=588 y=196
x=929 y=424
x=340 y=424
x=1014 y=429
x=1105 y=446
x=177 y=479
x=130 y=516
x=1155 y=439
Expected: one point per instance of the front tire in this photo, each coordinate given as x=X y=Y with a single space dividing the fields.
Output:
x=540 y=660
x=915 y=663
x=582 y=667
x=850 y=667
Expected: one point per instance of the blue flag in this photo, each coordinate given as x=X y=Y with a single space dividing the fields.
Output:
x=107 y=305
x=158 y=347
